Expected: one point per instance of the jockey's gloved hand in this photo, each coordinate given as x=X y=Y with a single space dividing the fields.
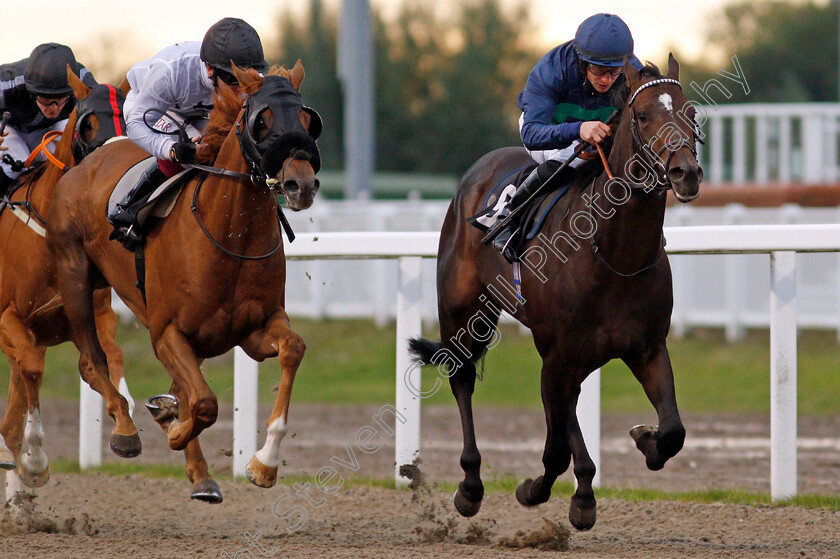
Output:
x=183 y=152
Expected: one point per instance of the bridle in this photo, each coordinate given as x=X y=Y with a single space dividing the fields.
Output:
x=652 y=160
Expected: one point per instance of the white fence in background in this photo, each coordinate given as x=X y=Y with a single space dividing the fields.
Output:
x=771 y=143
x=781 y=242
x=709 y=291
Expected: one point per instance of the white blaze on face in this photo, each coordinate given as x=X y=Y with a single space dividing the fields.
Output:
x=667 y=102
x=269 y=454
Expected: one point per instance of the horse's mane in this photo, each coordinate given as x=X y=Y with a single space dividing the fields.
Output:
x=226 y=107
x=593 y=167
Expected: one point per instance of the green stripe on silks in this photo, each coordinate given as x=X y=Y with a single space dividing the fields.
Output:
x=567 y=112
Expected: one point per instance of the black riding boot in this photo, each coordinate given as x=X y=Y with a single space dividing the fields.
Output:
x=124 y=215
x=504 y=235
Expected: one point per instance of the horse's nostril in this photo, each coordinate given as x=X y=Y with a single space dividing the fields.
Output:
x=291 y=187
x=317 y=185
x=676 y=174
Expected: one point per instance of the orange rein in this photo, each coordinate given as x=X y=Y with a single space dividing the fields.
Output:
x=48 y=137
x=604 y=161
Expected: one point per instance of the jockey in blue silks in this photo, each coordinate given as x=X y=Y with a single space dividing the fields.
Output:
x=569 y=94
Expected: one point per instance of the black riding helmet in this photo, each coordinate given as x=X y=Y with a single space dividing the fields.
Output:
x=45 y=73
x=233 y=39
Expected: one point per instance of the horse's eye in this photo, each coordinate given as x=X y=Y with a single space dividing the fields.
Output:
x=642 y=117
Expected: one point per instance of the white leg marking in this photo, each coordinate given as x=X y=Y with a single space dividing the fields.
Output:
x=269 y=454
x=123 y=389
x=34 y=460
x=667 y=102
x=13 y=486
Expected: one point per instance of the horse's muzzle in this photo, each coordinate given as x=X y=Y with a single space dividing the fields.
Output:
x=300 y=192
x=685 y=181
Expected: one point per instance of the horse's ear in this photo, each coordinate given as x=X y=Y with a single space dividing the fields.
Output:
x=124 y=86
x=673 y=67
x=79 y=88
x=249 y=79
x=297 y=74
x=632 y=74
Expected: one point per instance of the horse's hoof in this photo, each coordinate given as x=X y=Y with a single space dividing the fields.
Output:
x=33 y=479
x=126 y=446
x=582 y=518
x=7 y=460
x=259 y=474
x=464 y=506
x=207 y=490
x=163 y=407
x=641 y=433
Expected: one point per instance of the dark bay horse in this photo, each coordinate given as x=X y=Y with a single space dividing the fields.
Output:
x=31 y=313
x=215 y=267
x=596 y=286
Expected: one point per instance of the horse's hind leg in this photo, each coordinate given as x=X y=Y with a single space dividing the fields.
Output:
x=653 y=370
x=278 y=339
x=558 y=400
x=75 y=276
x=27 y=367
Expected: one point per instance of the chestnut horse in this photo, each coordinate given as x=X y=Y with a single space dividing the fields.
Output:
x=215 y=267
x=598 y=288
x=31 y=313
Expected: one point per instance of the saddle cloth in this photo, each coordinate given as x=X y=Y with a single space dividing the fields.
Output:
x=161 y=201
x=534 y=215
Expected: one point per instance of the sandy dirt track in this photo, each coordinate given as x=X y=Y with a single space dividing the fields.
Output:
x=95 y=515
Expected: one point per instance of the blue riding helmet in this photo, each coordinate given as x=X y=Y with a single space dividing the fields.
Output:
x=603 y=39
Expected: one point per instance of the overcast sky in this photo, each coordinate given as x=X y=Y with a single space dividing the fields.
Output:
x=154 y=24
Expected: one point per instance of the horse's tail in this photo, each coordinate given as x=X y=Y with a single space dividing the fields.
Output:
x=423 y=350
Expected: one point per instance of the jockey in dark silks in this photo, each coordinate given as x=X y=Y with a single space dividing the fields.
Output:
x=569 y=94
x=176 y=86
x=36 y=94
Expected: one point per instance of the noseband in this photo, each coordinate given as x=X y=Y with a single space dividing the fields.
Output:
x=651 y=160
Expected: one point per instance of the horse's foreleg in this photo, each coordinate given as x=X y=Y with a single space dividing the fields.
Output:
x=204 y=488
x=557 y=399
x=653 y=370
x=11 y=427
x=75 y=277
x=27 y=362
x=106 y=330
x=277 y=339
x=583 y=506
x=175 y=353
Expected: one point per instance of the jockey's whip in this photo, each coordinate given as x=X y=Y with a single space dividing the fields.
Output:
x=521 y=207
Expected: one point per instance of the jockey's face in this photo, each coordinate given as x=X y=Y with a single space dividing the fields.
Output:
x=217 y=75
x=602 y=78
x=51 y=107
